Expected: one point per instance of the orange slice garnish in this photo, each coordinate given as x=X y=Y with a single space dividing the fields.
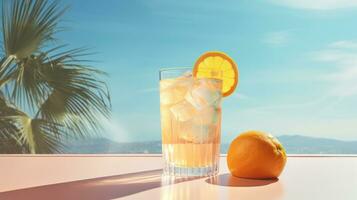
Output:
x=218 y=65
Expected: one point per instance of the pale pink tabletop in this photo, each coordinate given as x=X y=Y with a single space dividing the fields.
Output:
x=139 y=177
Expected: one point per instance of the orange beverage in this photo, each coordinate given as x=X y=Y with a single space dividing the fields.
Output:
x=190 y=123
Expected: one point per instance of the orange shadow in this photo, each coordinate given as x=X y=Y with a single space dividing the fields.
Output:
x=231 y=181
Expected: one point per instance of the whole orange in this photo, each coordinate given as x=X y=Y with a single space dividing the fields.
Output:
x=255 y=154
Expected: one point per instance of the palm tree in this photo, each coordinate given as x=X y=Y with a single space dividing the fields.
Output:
x=47 y=94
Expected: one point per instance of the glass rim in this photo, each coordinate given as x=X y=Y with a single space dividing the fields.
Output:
x=165 y=69
x=173 y=72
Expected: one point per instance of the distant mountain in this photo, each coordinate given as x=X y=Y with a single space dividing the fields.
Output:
x=294 y=144
x=104 y=145
x=297 y=144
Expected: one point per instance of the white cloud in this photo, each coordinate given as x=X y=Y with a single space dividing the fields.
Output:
x=277 y=38
x=327 y=113
x=317 y=4
x=343 y=56
x=343 y=44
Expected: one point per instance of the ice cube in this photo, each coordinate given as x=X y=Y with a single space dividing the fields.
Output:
x=186 y=80
x=209 y=115
x=195 y=133
x=173 y=91
x=204 y=93
x=183 y=111
x=171 y=96
x=165 y=84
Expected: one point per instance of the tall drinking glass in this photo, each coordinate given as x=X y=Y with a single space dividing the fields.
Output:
x=190 y=123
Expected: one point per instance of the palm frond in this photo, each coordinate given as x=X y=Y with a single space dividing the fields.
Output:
x=79 y=98
x=26 y=27
x=5 y=71
x=64 y=96
x=6 y=130
x=28 y=24
x=47 y=136
x=9 y=131
x=9 y=137
x=11 y=146
x=28 y=135
x=31 y=80
x=36 y=135
x=28 y=86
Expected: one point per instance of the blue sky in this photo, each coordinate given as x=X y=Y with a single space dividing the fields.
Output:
x=297 y=60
